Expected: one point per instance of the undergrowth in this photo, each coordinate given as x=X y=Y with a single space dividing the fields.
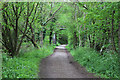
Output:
x=0 y=64
x=105 y=65
x=26 y=65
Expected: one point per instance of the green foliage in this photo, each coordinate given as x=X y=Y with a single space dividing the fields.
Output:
x=86 y=24
x=25 y=65
x=0 y=64
x=105 y=65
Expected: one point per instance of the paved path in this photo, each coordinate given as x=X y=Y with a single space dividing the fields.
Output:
x=58 y=66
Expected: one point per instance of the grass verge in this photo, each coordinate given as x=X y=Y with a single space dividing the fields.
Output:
x=26 y=65
x=105 y=65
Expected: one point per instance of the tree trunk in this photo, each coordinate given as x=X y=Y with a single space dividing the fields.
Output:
x=119 y=38
x=93 y=42
x=55 y=38
x=41 y=38
x=80 y=36
x=112 y=34
x=91 y=46
x=50 y=36
x=44 y=33
x=119 y=44
x=16 y=35
x=75 y=40
x=7 y=40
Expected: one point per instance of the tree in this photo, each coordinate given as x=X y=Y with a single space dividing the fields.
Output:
x=10 y=26
x=20 y=23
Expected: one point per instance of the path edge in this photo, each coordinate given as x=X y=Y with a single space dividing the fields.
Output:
x=77 y=65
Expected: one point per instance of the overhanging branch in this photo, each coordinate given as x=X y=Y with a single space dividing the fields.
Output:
x=53 y=15
x=83 y=5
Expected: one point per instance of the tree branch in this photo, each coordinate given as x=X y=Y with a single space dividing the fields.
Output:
x=83 y=5
x=14 y=9
x=5 y=5
x=32 y=10
x=53 y=15
x=10 y=20
x=25 y=28
x=20 y=11
x=34 y=13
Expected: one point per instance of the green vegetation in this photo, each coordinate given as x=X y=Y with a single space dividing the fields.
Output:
x=95 y=25
x=105 y=65
x=26 y=65
x=94 y=37
x=0 y=65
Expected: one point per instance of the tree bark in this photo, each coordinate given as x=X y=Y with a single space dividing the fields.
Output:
x=119 y=38
x=75 y=39
x=112 y=34
x=32 y=31
x=89 y=36
x=50 y=36
x=33 y=42
x=7 y=40
x=41 y=38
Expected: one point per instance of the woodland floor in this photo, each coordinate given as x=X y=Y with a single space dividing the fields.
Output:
x=61 y=65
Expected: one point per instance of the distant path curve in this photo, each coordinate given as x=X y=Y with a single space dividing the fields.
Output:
x=58 y=65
